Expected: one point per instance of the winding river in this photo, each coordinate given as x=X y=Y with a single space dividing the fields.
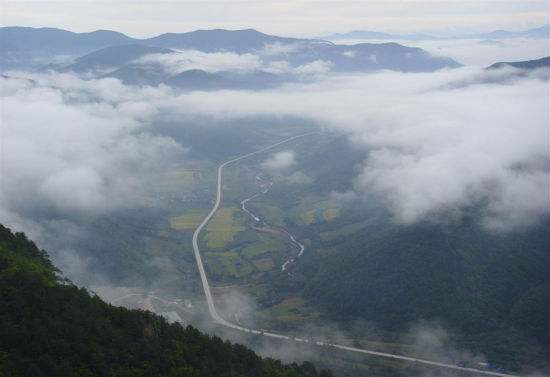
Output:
x=265 y=227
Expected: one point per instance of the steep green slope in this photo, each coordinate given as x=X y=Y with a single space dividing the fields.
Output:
x=52 y=328
x=491 y=288
x=461 y=273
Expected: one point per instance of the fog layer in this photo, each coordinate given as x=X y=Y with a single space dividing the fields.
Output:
x=438 y=142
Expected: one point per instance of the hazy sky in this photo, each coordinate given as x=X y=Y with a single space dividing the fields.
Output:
x=299 y=18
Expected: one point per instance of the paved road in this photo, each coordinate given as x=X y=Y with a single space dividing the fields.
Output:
x=217 y=318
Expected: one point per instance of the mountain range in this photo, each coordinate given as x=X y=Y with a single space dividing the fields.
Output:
x=172 y=59
x=111 y=54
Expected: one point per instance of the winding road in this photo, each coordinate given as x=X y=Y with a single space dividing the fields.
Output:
x=217 y=318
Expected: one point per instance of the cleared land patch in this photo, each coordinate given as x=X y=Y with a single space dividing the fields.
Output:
x=228 y=264
x=189 y=220
x=176 y=179
x=308 y=217
x=292 y=309
x=323 y=211
x=344 y=231
x=265 y=245
x=223 y=228
x=264 y=264
x=274 y=215
x=330 y=214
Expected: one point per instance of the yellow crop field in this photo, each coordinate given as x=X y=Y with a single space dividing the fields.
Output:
x=223 y=227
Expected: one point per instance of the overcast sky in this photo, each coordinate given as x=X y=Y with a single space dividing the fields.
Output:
x=296 y=18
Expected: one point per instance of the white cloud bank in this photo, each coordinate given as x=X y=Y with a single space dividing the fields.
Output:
x=75 y=148
x=476 y=52
x=438 y=142
x=486 y=52
x=280 y=161
x=213 y=62
x=180 y=61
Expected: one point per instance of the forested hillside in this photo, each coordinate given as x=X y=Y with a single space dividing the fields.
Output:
x=491 y=288
x=49 y=327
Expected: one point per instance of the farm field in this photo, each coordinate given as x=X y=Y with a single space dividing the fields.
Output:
x=223 y=227
x=189 y=220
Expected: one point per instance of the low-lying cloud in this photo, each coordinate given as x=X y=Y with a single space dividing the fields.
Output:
x=484 y=52
x=438 y=142
x=278 y=49
x=271 y=60
x=280 y=161
x=476 y=52
x=181 y=61
x=73 y=148
x=314 y=68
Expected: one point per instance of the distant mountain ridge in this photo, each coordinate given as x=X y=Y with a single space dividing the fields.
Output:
x=526 y=64
x=240 y=41
x=18 y=38
x=24 y=43
x=369 y=34
x=113 y=56
x=540 y=32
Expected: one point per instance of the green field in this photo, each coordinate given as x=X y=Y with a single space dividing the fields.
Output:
x=223 y=228
x=312 y=211
x=330 y=214
x=228 y=264
x=189 y=220
x=264 y=264
x=264 y=245
x=274 y=215
x=344 y=231
x=177 y=179
x=292 y=309
x=308 y=217
x=240 y=262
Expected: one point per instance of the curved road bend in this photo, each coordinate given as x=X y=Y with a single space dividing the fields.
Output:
x=217 y=318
